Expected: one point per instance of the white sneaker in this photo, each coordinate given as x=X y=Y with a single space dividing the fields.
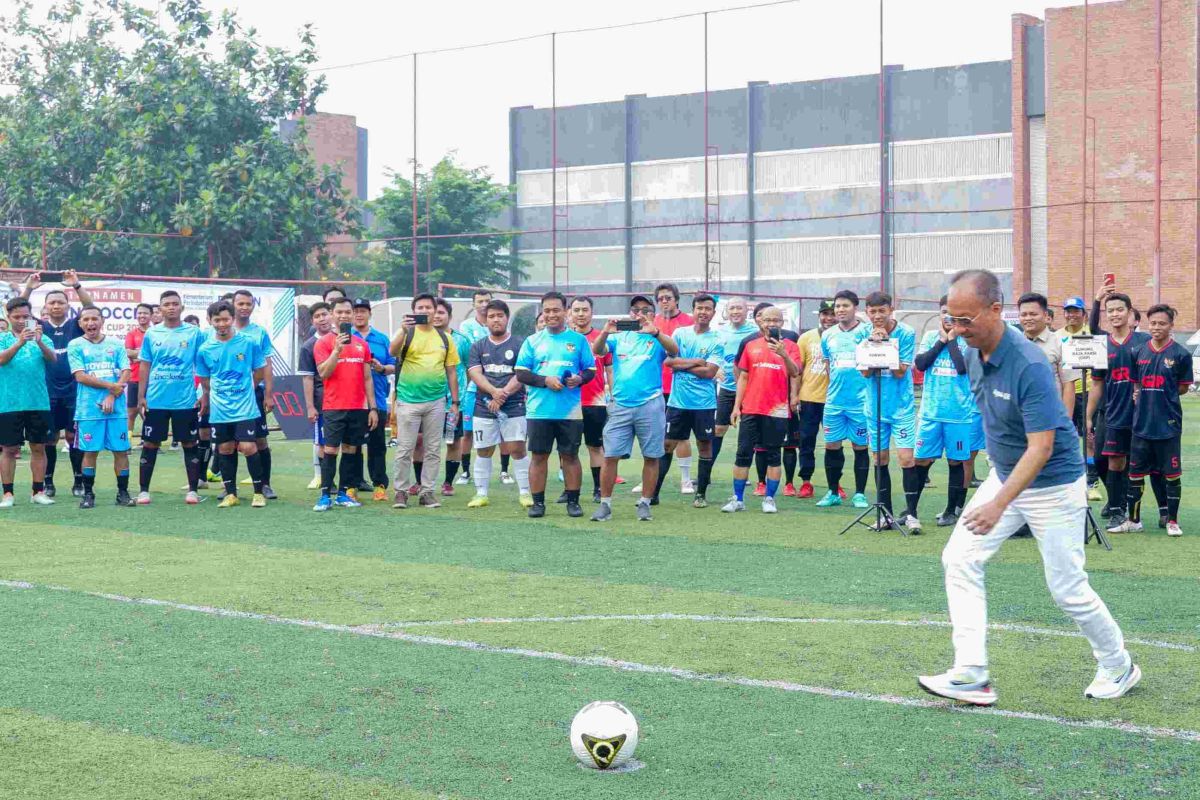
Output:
x=507 y=479
x=40 y=499
x=687 y=487
x=1109 y=685
x=1127 y=526
x=967 y=685
x=143 y=498
x=637 y=489
x=1173 y=529
x=768 y=505
x=6 y=501
x=463 y=479
x=733 y=505
x=192 y=499
x=911 y=522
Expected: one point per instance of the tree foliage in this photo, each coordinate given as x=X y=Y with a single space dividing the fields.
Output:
x=454 y=200
x=118 y=123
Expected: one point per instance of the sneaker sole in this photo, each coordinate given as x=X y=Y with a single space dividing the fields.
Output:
x=974 y=697
x=1133 y=681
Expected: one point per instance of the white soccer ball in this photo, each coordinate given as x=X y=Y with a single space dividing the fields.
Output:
x=604 y=735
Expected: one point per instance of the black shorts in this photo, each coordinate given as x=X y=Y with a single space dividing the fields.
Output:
x=245 y=430
x=1155 y=455
x=594 y=418
x=725 y=400
x=259 y=394
x=683 y=423
x=62 y=417
x=131 y=395
x=345 y=427
x=19 y=427
x=184 y=423
x=762 y=432
x=1117 y=441
x=545 y=434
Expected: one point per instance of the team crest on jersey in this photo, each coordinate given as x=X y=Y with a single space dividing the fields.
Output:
x=241 y=356
x=1170 y=362
x=508 y=354
x=570 y=348
x=87 y=437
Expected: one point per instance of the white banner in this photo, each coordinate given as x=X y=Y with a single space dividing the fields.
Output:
x=275 y=308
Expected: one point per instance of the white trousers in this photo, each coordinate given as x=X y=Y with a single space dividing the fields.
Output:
x=1056 y=516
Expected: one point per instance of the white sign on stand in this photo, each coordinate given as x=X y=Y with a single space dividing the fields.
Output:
x=877 y=355
x=1085 y=352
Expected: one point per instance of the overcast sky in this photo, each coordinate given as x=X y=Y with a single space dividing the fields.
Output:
x=464 y=96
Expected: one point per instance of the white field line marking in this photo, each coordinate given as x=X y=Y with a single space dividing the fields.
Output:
x=631 y=666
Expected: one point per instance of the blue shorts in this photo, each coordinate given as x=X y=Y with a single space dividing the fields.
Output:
x=900 y=430
x=843 y=424
x=94 y=435
x=645 y=421
x=956 y=439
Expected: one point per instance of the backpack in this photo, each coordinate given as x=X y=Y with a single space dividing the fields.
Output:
x=408 y=338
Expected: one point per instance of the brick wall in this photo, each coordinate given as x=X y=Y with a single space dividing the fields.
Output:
x=1120 y=157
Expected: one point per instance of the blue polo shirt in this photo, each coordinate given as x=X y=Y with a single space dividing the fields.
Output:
x=1018 y=394
x=637 y=360
x=379 y=345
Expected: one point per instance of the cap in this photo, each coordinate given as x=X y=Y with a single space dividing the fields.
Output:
x=826 y=305
x=361 y=302
x=1074 y=302
x=641 y=297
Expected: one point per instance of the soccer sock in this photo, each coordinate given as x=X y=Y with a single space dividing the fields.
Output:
x=789 y=464
x=254 y=464
x=205 y=452
x=191 y=465
x=146 y=467
x=1092 y=476
x=685 y=469
x=912 y=494
x=862 y=468
x=739 y=489
x=346 y=478
x=1174 y=492
x=835 y=463
x=76 y=456
x=451 y=470
x=717 y=442
x=466 y=462
x=482 y=474
x=504 y=460
x=596 y=479
x=264 y=458
x=1137 y=487
x=51 y=462
x=7 y=488
x=1117 y=494
x=955 y=489
x=539 y=498
x=229 y=465
x=760 y=465
x=1157 y=483
x=89 y=480
x=664 y=466
x=572 y=495
x=123 y=481
x=328 y=470
x=356 y=468
x=418 y=466
x=772 y=487
x=884 y=487
x=521 y=467
x=39 y=487
x=706 y=465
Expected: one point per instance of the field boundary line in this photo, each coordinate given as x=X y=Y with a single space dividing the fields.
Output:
x=625 y=666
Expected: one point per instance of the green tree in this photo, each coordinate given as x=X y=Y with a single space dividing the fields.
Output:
x=118 y=123
x=455 y=200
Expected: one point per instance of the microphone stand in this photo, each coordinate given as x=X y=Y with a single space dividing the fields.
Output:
x=884 y=519
x=1090 y=529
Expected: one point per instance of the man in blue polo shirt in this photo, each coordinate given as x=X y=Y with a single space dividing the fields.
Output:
x=383 y=364
x=1037 y=479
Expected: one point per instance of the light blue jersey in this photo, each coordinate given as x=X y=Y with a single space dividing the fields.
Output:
x=554 y=355
x=473 y=329
x=847 y=387
x=730 y=339
x=104 y=360
x=946 y=396
x=258 y=334
x=896 y=401
x=462 y=344
x=637 y=360
x=230 y=366
x=687 y=390
x=171 y=353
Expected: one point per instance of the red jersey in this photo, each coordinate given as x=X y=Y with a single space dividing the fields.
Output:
x=133 y=341
x=592 y=392
x=669 y=326
x=345 y=389
x=767 y=385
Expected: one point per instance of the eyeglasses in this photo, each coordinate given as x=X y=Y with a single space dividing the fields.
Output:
x=643 y=310
x=961 y=322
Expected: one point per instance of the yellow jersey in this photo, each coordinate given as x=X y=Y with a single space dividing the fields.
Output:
x=814 y=379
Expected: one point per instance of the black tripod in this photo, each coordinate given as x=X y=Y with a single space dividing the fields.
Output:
x=1090 y=529
x=884 y=519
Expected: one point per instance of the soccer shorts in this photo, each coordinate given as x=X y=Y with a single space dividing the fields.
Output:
x=546 y=434
x=62 y=416
x=245 y=430
x=19 y=427
x=1117 y=442
x=594 y=419
x=760 y=432
x=490 y=431
x=1155 y=455
x=345 y=427
x=957 y=440
x=94 y=435
x=725 y=401
x=841 y=423
x=900 y=430
x=131 y=395
x=644 y=421
x=184 y=423
x=682 y=423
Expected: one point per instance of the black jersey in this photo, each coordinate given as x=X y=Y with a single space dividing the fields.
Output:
x=1118 y=383
x=498 y=362
x=59 y=379
x=307 y=365
x=1161 y=376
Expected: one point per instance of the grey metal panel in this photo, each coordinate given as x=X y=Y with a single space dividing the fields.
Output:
x=952 y=101
x=587 y=134
x=822 y=113
x=673 y=126
x=1035 y=70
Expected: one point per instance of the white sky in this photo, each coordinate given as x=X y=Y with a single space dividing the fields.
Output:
x=464 y=97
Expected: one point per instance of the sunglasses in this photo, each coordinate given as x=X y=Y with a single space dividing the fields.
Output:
x=961 y=322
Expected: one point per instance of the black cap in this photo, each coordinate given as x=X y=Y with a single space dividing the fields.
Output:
x=826 y=305
x=361 y=302
x=641 y=297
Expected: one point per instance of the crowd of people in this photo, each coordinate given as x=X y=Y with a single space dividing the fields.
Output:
x=660 y=376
